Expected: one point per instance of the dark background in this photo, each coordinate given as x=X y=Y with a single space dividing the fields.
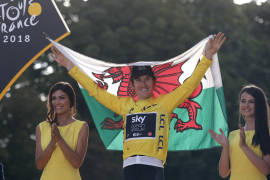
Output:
x=134 y=30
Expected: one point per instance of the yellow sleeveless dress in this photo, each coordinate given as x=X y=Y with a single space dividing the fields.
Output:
x=241 y=167
x=58 y=167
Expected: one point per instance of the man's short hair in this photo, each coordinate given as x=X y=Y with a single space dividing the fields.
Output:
x=138 y=71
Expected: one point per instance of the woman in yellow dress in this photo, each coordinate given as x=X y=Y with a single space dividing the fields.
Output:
x=246 y=155
x=61 y=140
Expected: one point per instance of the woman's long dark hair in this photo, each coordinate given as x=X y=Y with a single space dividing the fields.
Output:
x=261 y=136
x=67 y=88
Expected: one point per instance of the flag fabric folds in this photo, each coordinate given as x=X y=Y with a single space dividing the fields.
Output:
x=23 y=25
x=190 y=121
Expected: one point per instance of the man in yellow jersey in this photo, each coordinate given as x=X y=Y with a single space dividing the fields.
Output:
x=146 y=120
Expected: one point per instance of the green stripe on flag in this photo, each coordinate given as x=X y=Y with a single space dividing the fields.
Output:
x=220 y=94
x=112 y=139
x=210 y=116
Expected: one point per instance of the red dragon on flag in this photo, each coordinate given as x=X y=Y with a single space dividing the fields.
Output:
x=167 y=79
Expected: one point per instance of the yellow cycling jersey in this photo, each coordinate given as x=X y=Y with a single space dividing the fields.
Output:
x=146 y=122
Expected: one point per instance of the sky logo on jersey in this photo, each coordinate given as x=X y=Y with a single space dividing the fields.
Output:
x=138 y=118
x=141 y=125
x=23 y=24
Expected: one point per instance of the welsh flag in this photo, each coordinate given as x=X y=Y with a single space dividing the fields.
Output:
x=190 y=121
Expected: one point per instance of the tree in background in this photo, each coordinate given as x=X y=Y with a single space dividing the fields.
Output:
x=124 y=31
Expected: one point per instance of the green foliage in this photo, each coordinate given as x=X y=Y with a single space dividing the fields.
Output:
x=125 y=31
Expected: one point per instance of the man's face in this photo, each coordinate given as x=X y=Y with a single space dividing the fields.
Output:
x=143 y=86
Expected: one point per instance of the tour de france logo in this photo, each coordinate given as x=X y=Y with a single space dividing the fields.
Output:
x=16 y=19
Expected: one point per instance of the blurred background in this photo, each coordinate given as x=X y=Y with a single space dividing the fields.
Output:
x=137 y=30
